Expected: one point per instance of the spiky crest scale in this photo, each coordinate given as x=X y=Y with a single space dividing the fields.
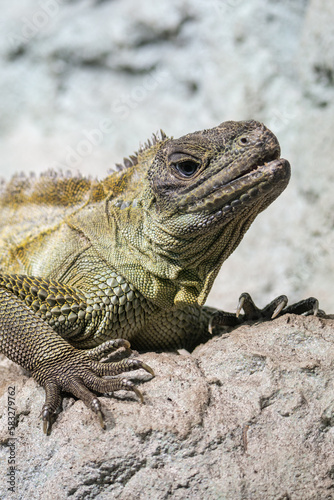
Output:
x=67 y=189
x=132 y=160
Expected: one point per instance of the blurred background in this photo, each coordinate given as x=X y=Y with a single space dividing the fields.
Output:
x=84 y=82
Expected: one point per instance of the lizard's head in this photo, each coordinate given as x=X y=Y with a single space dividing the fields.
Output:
x=190 y=201
x=214 y=176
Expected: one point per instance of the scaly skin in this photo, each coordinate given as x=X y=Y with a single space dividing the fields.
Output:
x=130 y=257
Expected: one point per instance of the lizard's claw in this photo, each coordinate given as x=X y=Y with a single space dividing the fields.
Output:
x=283 y=301
x=138 y=393
x=276 y=308
x=101 y=419
x=252 y=313
x=47 y=421
x=144 y=366
x=79 y=373
x=316 y=308
x=271 y=311
x=210 y=325
x=240 y=305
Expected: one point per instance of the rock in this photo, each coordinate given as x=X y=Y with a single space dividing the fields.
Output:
x=249 y=414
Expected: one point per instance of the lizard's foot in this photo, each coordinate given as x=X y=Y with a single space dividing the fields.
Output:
x=79 y=372
x=276 y=308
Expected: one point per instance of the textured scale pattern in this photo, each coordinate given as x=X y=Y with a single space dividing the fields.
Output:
x=88 y=266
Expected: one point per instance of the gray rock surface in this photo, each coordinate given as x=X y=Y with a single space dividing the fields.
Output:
x=249 y=415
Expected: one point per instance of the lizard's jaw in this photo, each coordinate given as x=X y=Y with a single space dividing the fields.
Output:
x=228 y=194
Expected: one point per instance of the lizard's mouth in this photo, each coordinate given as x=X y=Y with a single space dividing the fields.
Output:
x=230 y=191
x=232 y=173
x=255 y=183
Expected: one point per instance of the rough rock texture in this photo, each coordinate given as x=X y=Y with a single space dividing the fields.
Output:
x=70 y=67
x=249 y=415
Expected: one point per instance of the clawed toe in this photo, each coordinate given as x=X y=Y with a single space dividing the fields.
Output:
x=47 y=420
x=276 y=308
x=80 y=373
x=106 y=348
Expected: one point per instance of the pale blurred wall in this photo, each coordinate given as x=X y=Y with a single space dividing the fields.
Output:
x=83 y=82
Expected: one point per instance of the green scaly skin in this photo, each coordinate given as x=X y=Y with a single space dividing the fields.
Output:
x=90 y=266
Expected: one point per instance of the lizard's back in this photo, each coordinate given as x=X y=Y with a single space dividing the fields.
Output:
x=32 y=209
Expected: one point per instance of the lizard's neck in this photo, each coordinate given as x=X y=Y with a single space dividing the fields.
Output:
x=167 y=268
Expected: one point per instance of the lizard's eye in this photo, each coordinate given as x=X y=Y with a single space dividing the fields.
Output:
x=243 y=141
x=186 y=168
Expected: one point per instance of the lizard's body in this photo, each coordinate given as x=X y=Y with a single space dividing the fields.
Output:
x=133 y=256
x=39 y=240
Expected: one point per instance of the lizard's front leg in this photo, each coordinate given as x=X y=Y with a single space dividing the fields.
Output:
x=30 y=341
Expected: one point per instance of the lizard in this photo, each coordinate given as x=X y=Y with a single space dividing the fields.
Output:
x=89 y=266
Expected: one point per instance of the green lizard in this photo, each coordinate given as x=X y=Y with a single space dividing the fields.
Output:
x=89 y=266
